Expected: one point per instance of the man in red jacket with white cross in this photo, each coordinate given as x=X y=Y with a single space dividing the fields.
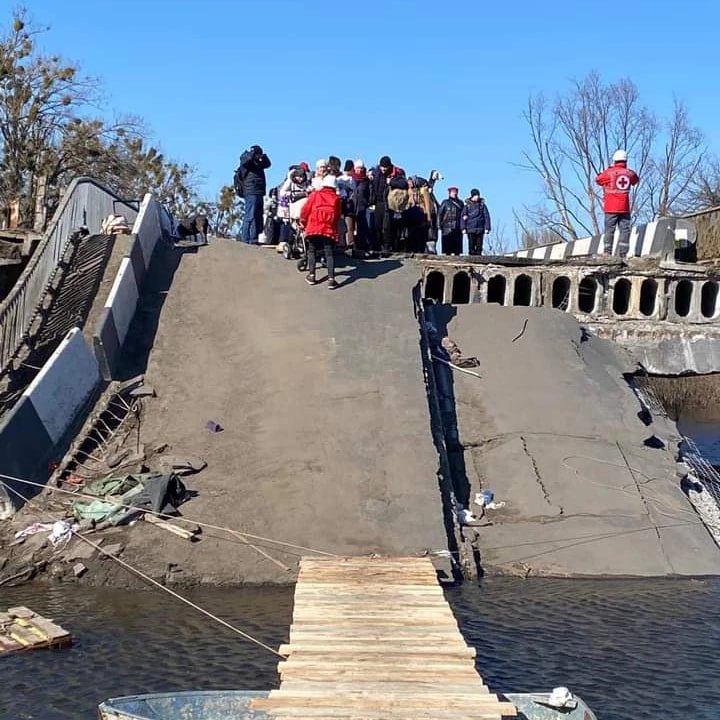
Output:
x=616 y=182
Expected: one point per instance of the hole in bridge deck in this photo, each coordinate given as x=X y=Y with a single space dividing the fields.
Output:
x=461 y=288
x=561 y=292
x=683 y=298
x=435 y=286
x=621 y=296
x=496 y=289
x=522 y=294
x=648 y=296
x=708 y=299
x=587 y=290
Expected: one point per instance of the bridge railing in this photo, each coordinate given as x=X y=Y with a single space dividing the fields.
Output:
x=86 y=202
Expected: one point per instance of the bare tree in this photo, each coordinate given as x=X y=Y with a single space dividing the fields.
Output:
x=573 y=138
x=674 y=169
x=705 y=186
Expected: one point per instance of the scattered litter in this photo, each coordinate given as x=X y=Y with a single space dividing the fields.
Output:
x=33 y=529
x=113 y=550
x=212 y=426
x=158 y=492
x=522 y=332
x=185 y=533
x=61 y=532
x=485 y=500
x=115 y=225
x=561 y=697
x=455 y=354
x=466 y=518
x=79 y=570
x=143 y=391
x=181 y=464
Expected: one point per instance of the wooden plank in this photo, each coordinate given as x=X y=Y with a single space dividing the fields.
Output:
x=50 y=630
x=415 y=687
x=384 y=700
x=340 y=706
x=315 y=714
x=392 y=649
x=21 y=612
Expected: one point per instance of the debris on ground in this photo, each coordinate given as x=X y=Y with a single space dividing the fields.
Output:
x=212 y=426
x=455 y=355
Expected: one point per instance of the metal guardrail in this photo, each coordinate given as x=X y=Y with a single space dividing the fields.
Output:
x=86 y=202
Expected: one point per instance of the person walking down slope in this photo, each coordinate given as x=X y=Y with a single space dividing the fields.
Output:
x=449 y=219
x=253 y=163
x=616 y=182
x=475 y=222
x=320 y=217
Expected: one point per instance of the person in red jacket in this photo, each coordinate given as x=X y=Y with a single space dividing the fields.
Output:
x=616 y=182
x=320 y=217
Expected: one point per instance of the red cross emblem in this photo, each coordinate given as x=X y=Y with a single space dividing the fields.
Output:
x=622 y=183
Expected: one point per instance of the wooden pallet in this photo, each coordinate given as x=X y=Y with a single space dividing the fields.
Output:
x=23 y=629
x=374 y=639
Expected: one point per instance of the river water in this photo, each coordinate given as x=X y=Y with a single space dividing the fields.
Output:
x=634 y=649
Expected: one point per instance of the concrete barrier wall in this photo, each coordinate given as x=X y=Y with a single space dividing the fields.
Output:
x=33 y=432
x=657 y=239
x=112 y=328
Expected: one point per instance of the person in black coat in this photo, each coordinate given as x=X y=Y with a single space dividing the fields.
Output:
x=361 y=197
x=475 y=222
x=449 y=217
x=253 y=163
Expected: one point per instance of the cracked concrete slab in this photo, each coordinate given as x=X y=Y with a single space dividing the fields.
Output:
x=552 y=429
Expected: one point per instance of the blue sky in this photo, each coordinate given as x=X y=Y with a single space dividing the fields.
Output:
x=433 y=84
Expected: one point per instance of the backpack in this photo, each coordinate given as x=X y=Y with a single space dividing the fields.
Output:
x=398 y=200
x=238 y=181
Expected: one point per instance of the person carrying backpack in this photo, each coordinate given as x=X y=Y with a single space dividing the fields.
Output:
x=320 y=217
x=251 y=178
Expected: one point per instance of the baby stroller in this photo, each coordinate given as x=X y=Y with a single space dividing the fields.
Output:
x=297 y=247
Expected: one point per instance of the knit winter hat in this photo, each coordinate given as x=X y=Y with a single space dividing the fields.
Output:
x=305 y=166
x=474 y=193
x=349 y=166
x=359 y=164
x=385 y=161
x=450 y=189
x=321 y=163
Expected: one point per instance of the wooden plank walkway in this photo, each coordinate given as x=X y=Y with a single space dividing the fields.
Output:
x=374 y=639
x=23 y=629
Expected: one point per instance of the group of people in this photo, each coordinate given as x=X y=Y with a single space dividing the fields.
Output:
x=380 y=209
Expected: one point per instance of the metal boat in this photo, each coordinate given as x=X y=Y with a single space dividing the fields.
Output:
x=235 y=705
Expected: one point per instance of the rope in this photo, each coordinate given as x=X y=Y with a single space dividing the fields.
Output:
x=151 y=581
x=169 y=517
x=622 y=489
x=456 y=367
